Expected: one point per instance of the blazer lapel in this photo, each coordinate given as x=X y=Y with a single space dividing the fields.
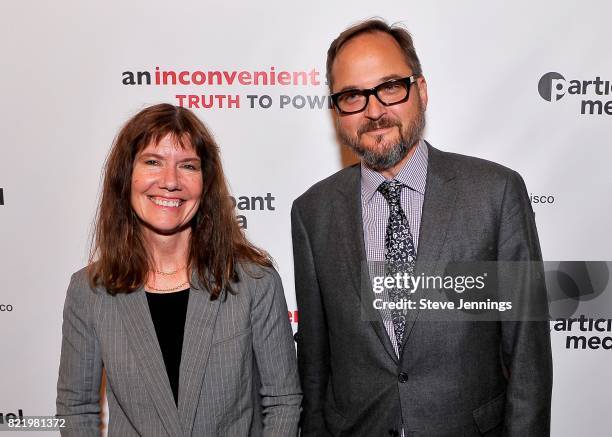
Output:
x=349 y=230
x=438 y=206
x=134 y=310
x=199 y=327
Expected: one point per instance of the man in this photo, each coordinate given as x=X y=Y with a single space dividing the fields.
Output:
x=410 y=205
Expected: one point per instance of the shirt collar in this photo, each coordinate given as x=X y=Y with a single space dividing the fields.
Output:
x=413 y=174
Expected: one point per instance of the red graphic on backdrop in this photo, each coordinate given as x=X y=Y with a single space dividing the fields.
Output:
x=234 y=78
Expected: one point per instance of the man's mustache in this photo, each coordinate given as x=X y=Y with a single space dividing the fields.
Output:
x=382 y=123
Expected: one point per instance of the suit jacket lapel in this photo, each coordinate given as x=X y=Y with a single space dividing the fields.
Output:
x=134 y=310
x=349 y=231
x=199 y=328
x=438 y=206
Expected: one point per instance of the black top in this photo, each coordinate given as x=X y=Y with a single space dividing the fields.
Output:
x=169 y=311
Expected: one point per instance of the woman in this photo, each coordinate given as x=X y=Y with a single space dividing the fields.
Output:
x=187 y=318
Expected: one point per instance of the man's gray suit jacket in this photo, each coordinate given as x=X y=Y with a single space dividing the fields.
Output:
x=229 y=342
x=453 y=378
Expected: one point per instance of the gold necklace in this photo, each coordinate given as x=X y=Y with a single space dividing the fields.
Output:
x=170 y=273
x=178 y=287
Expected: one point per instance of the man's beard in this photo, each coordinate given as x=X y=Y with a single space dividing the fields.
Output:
x=389 y=153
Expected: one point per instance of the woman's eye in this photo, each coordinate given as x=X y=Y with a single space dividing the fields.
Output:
x=190 y=167
x=151 y=162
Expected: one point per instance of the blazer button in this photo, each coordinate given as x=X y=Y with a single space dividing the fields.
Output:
x=402 y=377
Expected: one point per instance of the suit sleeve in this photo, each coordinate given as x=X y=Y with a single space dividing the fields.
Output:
x=313 y=340
x=80 y=371
x=275 y=355
x=526 y=349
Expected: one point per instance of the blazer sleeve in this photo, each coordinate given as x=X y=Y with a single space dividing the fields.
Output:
x=526 y=348
x=80 y=370
x=313 y=341
x=274 y=351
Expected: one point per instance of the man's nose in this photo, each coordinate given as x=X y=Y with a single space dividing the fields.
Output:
x=374 y=109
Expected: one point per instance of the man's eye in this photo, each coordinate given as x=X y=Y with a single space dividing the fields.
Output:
x=351 y=97
x=392 y=87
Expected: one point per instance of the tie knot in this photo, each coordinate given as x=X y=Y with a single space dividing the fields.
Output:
x=391 y=191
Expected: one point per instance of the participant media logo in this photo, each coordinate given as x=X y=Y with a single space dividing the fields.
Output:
x=589 y=93
x=551 y=86
x=591 y=333
x=579 y=299
x=252 y=203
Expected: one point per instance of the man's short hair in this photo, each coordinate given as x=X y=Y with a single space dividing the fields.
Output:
x=399 y=33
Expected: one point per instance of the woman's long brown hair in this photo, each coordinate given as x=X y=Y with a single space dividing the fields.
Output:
x=119 y=260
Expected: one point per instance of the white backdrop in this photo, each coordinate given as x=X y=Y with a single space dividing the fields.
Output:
x=61 y=77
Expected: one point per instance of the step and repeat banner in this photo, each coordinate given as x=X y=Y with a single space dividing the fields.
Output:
x=526 y=84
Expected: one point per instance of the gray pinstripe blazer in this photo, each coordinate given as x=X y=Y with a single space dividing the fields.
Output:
x=238 y=373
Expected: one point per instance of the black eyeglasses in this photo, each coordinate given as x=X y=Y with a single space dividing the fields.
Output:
x=388 y=93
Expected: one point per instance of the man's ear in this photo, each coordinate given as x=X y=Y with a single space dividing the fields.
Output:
x=421 y=83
